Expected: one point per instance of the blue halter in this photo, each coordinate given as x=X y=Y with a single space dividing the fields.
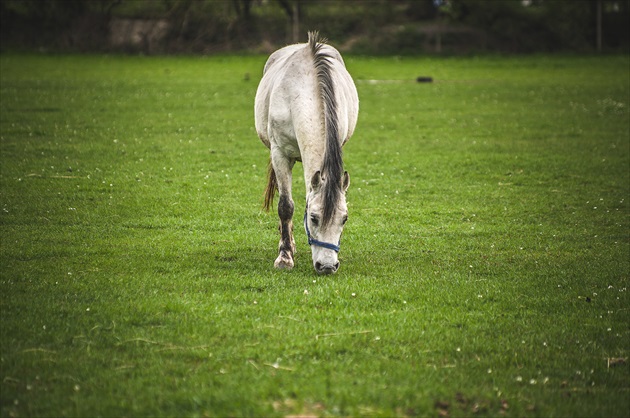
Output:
x=313 y=241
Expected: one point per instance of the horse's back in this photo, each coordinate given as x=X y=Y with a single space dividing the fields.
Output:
x=285 y=75
x=287 y=100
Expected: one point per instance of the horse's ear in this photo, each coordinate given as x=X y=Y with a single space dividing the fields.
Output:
x=345 y=182
x=316 y=181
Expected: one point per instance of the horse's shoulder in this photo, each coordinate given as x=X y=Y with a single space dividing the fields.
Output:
x=333 y=53
x=281 y=55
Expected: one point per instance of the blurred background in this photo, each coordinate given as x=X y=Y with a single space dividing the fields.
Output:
x=361 y=27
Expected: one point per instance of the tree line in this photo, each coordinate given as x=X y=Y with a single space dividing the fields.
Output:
x=359 y=26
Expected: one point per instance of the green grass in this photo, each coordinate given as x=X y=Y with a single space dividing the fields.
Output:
x=484 y=268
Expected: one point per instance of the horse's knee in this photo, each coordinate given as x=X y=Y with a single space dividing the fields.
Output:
x=285 y=208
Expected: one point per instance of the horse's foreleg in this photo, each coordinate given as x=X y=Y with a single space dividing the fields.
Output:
x=286 y=248
x=283 y=169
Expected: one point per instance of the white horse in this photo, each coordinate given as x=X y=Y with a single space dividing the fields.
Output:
x=306 y=109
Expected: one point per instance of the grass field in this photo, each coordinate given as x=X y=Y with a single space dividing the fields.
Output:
x=484 y=268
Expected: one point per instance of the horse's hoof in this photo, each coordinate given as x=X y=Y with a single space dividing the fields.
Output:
x=283 y=262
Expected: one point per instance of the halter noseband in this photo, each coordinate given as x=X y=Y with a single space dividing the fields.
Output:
x=313 y=241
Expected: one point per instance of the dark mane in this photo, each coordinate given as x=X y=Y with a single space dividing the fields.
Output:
x=332 y=167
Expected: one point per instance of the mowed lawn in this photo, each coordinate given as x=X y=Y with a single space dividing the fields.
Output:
x=484 y=267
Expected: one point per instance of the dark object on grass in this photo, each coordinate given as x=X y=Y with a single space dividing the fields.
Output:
x=424 y=79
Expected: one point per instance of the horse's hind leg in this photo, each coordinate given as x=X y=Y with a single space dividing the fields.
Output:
x=283 y=169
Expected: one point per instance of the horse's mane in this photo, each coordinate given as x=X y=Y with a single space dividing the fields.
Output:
x=332 y=167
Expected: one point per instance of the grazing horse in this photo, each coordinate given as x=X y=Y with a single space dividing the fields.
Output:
x=306 y=108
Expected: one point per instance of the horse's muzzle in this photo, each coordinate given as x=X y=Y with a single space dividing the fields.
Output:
x=326 y=268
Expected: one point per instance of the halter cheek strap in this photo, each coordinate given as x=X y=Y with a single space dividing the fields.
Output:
x=313 y=241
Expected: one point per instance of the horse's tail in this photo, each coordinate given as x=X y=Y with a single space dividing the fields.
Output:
x=272 y=186
x=332 y=168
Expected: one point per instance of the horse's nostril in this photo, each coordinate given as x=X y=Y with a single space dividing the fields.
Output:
x=326 y=268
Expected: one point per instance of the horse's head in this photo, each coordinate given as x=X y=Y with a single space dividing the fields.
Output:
x=324 y=220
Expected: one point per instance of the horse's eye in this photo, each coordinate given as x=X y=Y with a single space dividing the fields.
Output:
x=344 y=220
x=315 y=220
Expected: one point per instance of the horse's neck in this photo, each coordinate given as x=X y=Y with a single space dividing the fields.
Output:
x=312 y=159
x=308 y=124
